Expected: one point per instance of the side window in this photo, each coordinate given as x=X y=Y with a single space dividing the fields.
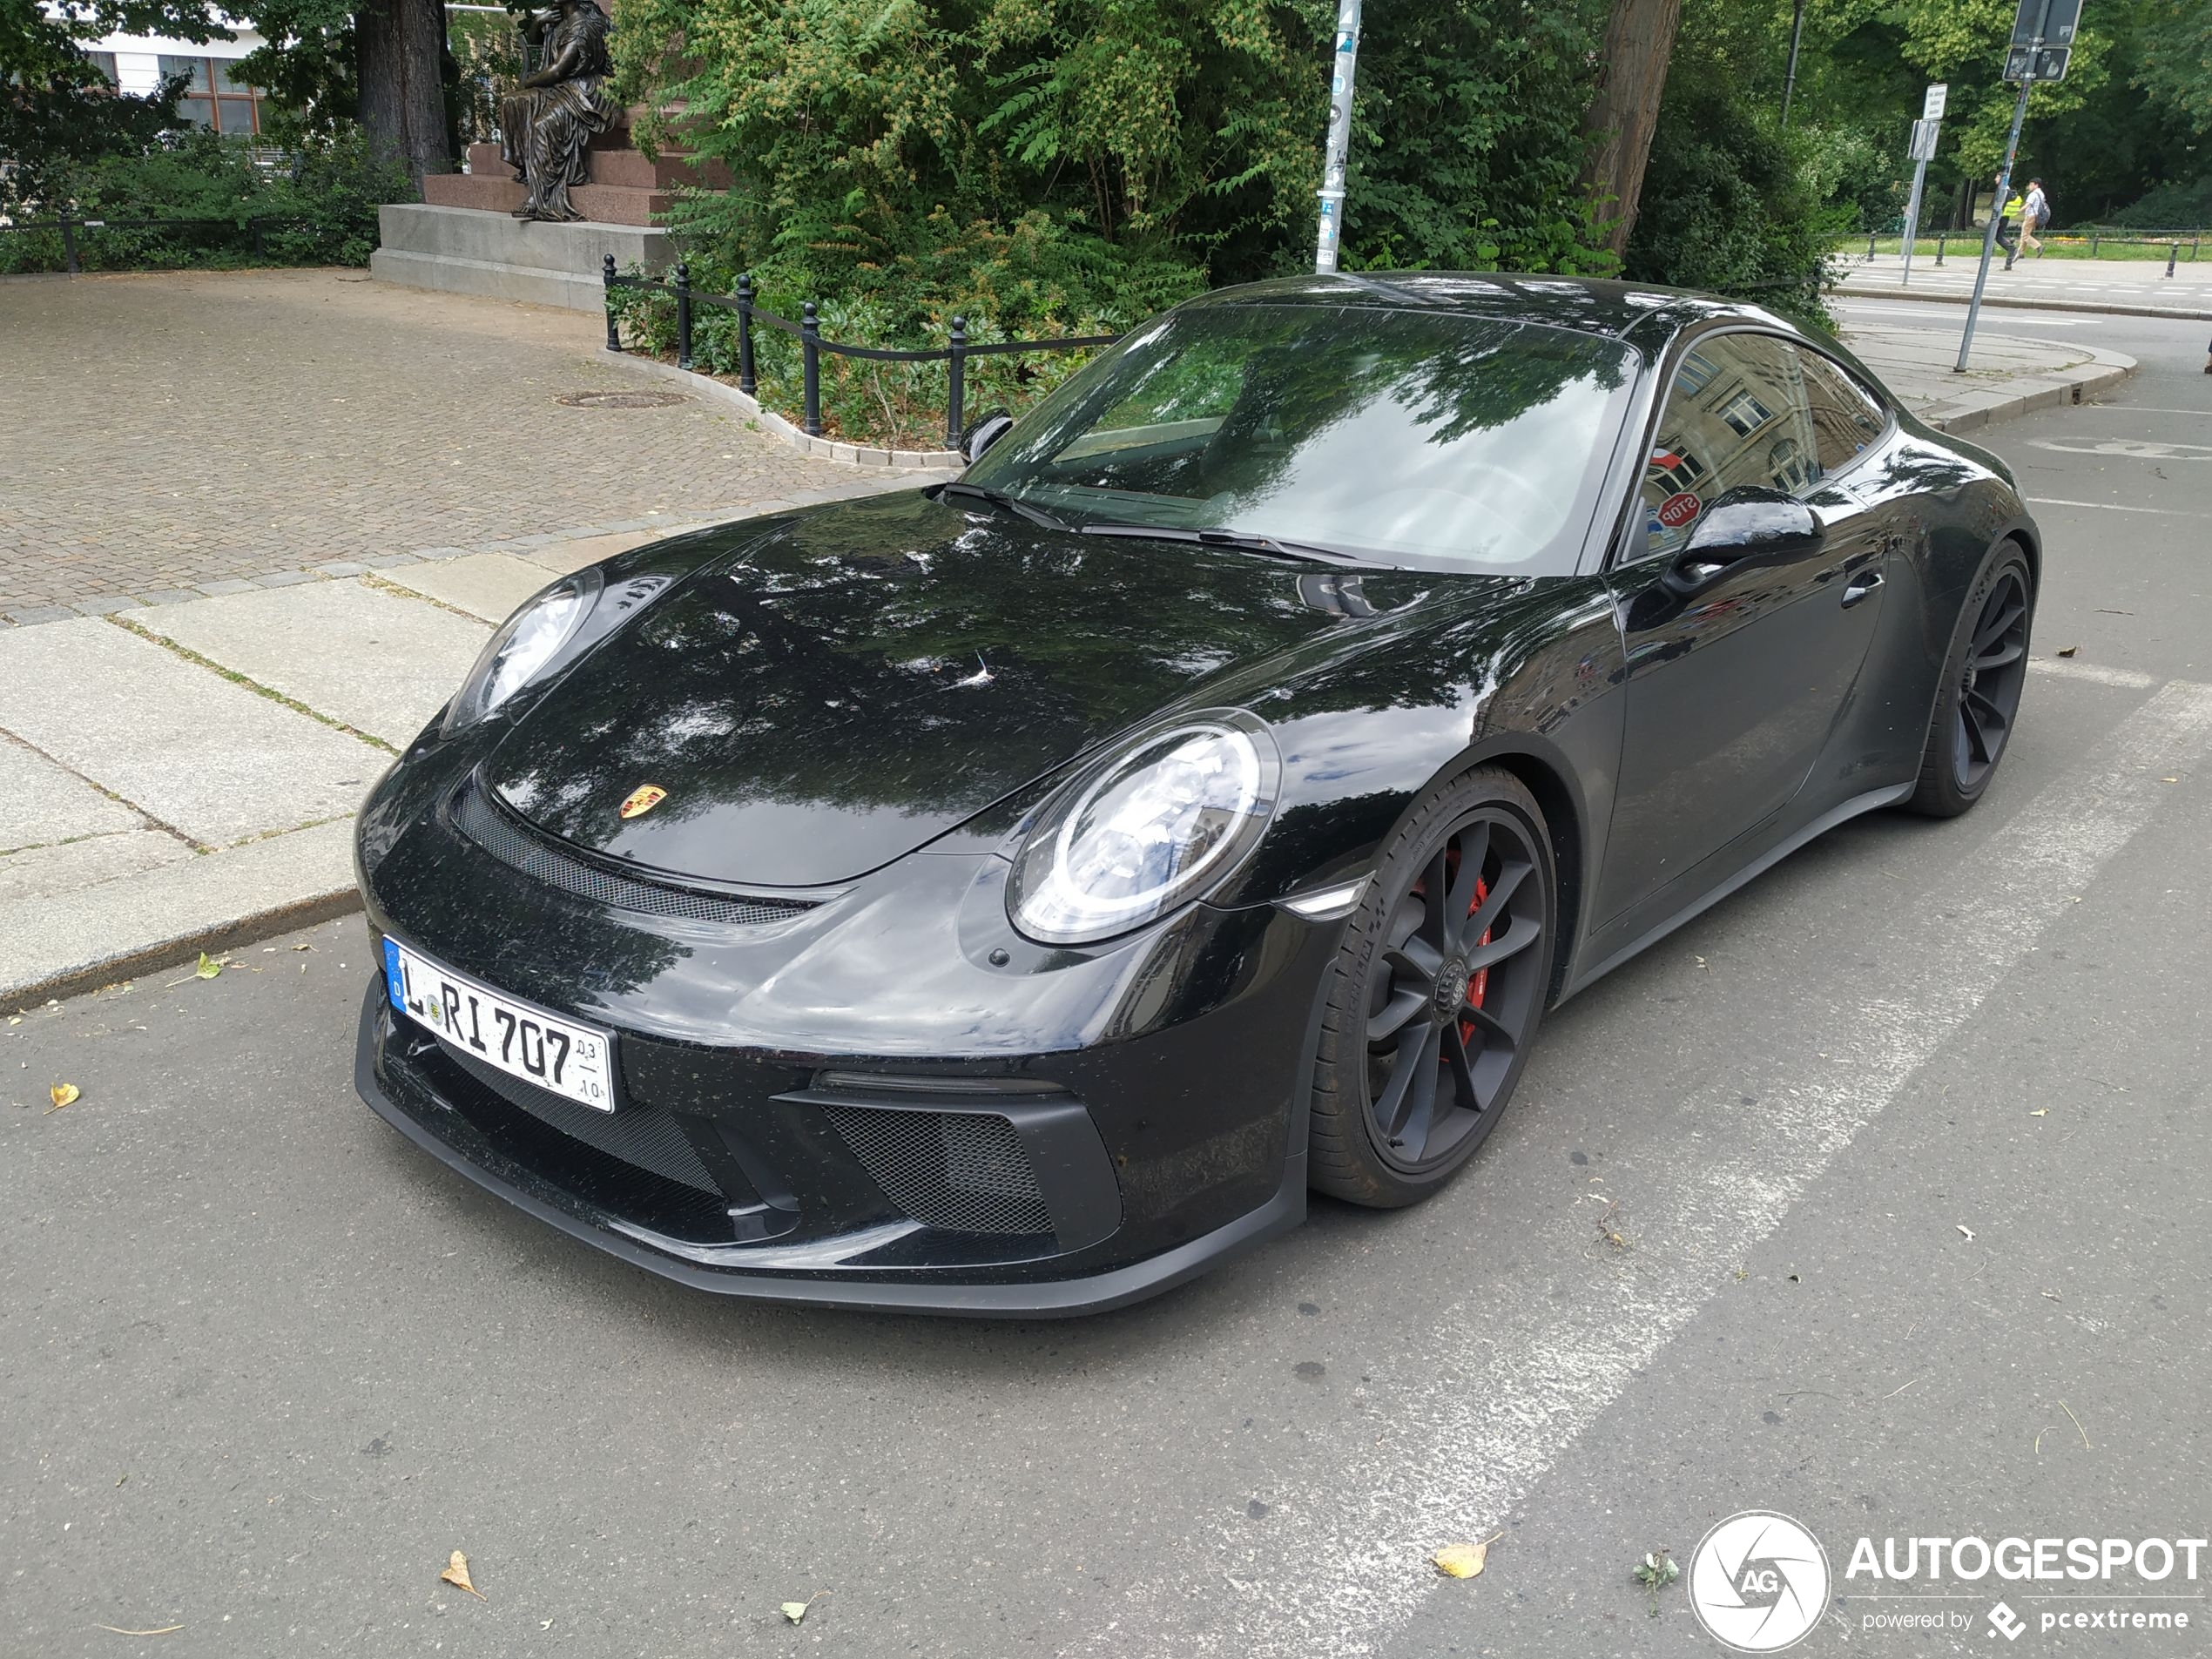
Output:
x=1737 y=413
x=1845 y=416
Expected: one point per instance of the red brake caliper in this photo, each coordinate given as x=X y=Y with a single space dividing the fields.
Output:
x=1478 y=981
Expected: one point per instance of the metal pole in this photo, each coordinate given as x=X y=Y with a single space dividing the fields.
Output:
x=1790 y=75
x=1346 y=64
x=683 y=314
x=810 y=353
x=607 y=278
x=745 y=382
x=68 y=245
x=1997 y=208
x=955 y=382
x=1912 y=219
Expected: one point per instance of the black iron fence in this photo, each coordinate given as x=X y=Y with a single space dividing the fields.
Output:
x=75 y=229
x=2179 y=245
x=955 y=354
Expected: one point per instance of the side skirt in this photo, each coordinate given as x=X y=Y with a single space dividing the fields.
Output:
x=1874 y=800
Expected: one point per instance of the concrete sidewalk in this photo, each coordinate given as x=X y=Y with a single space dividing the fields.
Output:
x=2129 y=287
x=181 y=776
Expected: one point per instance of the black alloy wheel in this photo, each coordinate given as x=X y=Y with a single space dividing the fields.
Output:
x=1989 y=683
x=1978 y=700
x=1442 y=981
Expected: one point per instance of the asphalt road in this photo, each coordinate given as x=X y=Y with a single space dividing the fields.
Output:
x=1874 y=1197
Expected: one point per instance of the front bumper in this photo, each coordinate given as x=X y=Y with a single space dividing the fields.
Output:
x=860 y=1107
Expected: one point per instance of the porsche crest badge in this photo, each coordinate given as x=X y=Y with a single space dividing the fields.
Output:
x=643 y=799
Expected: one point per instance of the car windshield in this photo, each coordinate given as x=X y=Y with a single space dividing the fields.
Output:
x=1406 y=437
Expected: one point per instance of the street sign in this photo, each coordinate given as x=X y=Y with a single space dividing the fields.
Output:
x=2050 y=21
x=1923 y=145
x=2036 y=63
x=1931 y=106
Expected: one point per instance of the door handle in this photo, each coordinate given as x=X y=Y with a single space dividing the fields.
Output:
x=1860 y=586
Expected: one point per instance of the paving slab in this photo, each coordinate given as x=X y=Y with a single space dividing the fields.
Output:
x=197 y=751
x=42 y=803
x=380 y=663
x=65 y=941
x=41 y=872
x=488 y=585
x=563 y=556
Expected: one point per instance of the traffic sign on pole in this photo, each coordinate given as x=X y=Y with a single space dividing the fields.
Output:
x=1931 y=106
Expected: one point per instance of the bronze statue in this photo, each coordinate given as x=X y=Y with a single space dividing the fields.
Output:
x=548 y=123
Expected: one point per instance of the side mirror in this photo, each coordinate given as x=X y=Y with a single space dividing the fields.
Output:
x=1747 y=525
x=983 y=432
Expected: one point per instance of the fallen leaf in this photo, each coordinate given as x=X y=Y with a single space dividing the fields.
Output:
x=2040 y=1112
x=2069 y=650
x=1464 y=1560
x=797 y=1610
x=61 y=1094
x=163 y=1631
x=457 y=1574
x=208 y=966
x=1964 y=1229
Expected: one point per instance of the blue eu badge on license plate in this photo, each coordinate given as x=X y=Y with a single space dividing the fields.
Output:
x=392 y=986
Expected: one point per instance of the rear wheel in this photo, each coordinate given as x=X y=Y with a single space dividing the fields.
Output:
x=1437 y=993
x=1980 y=697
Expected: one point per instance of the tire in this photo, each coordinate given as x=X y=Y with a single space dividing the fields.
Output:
x=1398 y=1015
x=1977 y=698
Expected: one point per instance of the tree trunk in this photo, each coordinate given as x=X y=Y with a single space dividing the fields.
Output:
x=403 y=45
x=1639 y=39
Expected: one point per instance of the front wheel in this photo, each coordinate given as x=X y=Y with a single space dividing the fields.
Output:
x=1979 y=699
x=1436 y=995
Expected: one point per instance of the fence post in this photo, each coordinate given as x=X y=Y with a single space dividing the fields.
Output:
x=683 y=314
x=69 y=246
x=810 y=351
x=1941 y=237
x=607 y=276
x=745 y=335
x=2196 y=244
x=2172 y=254
x=1870 y=246
x=2094 y=237
x=956 y=383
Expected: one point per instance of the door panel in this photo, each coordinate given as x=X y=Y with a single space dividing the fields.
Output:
x=1732 y=693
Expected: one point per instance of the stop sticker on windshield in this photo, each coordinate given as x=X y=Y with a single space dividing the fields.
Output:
x=1679 y=508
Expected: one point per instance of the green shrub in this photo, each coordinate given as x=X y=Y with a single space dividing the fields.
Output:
x=2171 y=206
x=317 y=208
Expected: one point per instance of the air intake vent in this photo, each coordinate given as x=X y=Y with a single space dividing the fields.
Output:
x=645 y=1135
x=964 y=1171
x=511 y=840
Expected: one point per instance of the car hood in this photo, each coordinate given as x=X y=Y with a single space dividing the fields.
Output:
x=818 y=698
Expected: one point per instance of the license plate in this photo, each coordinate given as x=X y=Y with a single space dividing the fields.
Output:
x=523 y=1042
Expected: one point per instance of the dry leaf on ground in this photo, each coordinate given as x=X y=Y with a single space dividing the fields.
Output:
x=61 y=1094
x=208 y=966
x=457 y=1574
x=118 y=1629
x=797 y=1610
x=1464 y=1560
x=2069 y=650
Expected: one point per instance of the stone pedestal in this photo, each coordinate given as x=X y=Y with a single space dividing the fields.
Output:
x=469 y=250
x=461 y=237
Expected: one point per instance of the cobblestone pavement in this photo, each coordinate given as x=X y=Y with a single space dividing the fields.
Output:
x=163 y=431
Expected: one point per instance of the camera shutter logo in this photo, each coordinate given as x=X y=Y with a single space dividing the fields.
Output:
x=1758 y=1582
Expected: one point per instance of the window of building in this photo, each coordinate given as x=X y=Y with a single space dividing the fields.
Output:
x=1745 y=413
x=104 y=62
x=215 y=95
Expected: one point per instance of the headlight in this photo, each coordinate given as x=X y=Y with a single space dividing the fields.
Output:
x=522 y=647
x=1134 y=838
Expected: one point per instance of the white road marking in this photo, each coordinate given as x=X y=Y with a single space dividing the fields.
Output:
x=2112 y=507
x=2141 y=408
x=2138 y=448
x=1467 y=1421
x=2066 y=668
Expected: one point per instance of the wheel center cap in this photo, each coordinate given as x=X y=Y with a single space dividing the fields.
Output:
x=1451 y=987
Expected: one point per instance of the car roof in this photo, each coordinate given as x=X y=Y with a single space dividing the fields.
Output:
x=1636 y=314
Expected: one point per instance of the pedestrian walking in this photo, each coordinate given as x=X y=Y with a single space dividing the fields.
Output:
x=2008 y=219
x=2035 y=213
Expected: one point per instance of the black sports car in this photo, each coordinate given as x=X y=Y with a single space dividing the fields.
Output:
x=1012 y=896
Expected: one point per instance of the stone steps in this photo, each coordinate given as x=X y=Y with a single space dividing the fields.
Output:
x=464 y=249
x=500 y=193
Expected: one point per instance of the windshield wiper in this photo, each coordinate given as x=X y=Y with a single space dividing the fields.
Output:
x=1035 y=515
x=1243 y=541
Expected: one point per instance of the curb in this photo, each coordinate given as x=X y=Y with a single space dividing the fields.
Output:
x=850 y=454
x=1918 y=296
x=1974 y=410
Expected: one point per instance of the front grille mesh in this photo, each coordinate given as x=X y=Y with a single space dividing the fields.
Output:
x=536 y=854
x=645 y=1135
x=964 y=1171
